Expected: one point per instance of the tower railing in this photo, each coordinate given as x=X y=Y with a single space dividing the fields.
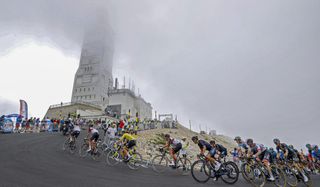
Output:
x=72 y=103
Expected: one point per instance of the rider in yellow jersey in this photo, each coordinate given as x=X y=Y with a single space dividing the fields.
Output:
x=129 y=141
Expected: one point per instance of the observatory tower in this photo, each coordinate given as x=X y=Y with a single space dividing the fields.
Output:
x=94 y=75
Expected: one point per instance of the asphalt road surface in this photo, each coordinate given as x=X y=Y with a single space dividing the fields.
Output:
x=38 y=160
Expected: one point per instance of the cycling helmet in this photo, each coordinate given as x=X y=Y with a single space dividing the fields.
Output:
x=271 y=149
x=194 y=138
x=249 y=141
x=237 y=138
x=276 y=141
x=291 y=146
x=308 y=146
x=167 y=135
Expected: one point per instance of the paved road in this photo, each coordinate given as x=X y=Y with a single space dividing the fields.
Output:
x=37 y=160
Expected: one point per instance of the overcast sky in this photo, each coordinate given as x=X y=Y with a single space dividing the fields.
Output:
x=248 y=68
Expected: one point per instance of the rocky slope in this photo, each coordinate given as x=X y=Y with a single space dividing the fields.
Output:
x=149 y=149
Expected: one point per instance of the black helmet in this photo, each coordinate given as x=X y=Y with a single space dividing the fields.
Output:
x=276 y=141
x=167 y=135
x=237 y=138
x=249 y=141
x=194 y=138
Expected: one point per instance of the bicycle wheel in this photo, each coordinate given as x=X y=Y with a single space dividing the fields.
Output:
x=159 y=163
x=72 y=147
x=229 y=172
x=65 y=145
x=83 y=150
x=113 y=158
x=259 y=178
x=200 y=171
x=247 y=172
x=290 y=176
x=184 y=166
x=278 y=174
x=97 y=155
x=135 y=161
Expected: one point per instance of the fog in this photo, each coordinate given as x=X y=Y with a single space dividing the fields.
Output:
x=248 y=68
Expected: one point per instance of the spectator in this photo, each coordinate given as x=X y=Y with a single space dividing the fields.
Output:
x=121 y=127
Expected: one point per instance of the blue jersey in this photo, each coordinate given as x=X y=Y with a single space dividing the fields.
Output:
x=316 y=154
x=235 y=153
x=243 y=145
x=205 y=144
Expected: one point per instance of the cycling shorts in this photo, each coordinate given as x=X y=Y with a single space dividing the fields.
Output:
x=95 y=137
x=131 y=143
x=75 y=134
x=177 y=148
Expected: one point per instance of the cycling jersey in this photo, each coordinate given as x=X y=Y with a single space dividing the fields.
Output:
x=127 y=137
x=316 y=154
x=283 y=147
x=93 y=130
x=258 y=147
x=243 y=145
x=205 y=144
x=76 y=128
x=221 y=149
x=264 y=155
x=174 y=142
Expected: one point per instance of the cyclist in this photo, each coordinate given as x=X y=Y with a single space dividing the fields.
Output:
x=93 y=139
x=316 y=154
x=241 y=145
x=129 y=141
x=205 y=146
x=75 y=132
x=260 y=153
x=310 y=150
x=288 y=154
x=219 y=151
x=174 y=146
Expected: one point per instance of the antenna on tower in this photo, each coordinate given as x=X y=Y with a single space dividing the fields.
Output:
x=124 y=82
x=116 y=84
x=133 y=87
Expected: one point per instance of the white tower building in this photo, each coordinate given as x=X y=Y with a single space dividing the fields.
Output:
x=94 y=75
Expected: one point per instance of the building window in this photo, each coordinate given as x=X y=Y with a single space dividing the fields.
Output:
x=84 y=89
x=88 y=89
x=80 y=89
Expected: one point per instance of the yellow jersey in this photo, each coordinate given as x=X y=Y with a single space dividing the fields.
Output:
x=127 y=136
